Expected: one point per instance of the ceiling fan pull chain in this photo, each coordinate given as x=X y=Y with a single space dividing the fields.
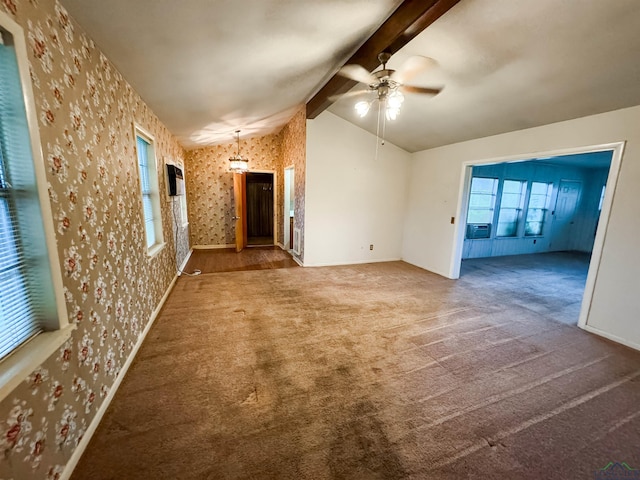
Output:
x=378 y=132
x=384 y=118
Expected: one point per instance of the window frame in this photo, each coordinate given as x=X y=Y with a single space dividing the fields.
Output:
x=27 y=357
x=184 y=211
x=154 y=193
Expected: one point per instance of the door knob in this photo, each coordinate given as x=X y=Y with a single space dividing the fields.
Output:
x=235 y=218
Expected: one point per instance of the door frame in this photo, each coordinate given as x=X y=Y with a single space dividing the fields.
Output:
x=617 y=149
x=286 y=232
x=275 y=203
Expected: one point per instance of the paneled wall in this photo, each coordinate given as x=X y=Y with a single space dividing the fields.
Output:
x=86 y=112
x=582 y=229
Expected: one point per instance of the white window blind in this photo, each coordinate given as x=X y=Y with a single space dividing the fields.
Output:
x=147 y=192
x=482 y=200
x=183 y=209
x=537 y=209
x=510 y=208
x=149 y=189
x=21 y=304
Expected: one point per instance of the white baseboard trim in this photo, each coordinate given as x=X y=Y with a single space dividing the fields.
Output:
x=296 y=259
x=359 y=262
x=86 y=438
x=609 y=336
x=208 y=247
x=184 y=263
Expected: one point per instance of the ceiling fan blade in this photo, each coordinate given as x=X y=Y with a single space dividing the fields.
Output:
x=357 y=73
x=355 y=93
x=422 y=90
x=412 y=67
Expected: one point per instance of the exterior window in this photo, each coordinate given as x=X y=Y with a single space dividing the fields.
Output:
x=604 y=187
x=482 y=200
x=537 y=209
x=149 y=189
x=183 y=210
x=511 y=203
x=31 y=299
x=18 y=320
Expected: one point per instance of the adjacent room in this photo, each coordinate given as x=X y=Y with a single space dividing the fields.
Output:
x=531 y=228
x=319 y=239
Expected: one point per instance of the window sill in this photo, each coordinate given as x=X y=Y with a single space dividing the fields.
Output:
x=15 y=368
x=155 y=250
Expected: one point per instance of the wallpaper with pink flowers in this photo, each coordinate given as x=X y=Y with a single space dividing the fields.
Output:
x=294 y=152
x=210 y=197
x=210 y=186
x=86 y=115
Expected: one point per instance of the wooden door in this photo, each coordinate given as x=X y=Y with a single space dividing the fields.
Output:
x=240 y=200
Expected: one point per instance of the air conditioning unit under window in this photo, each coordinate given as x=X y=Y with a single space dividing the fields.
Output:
x=478 y=230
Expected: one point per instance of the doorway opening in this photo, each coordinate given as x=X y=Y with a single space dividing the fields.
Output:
x=260 y=193
x=534 y=227
x=289 y=205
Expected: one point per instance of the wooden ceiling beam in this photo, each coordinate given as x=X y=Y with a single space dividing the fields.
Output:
x=404 y=24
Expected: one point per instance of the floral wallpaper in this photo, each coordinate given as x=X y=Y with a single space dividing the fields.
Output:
x=210 y=186
x=86 y=111
x=294 y=152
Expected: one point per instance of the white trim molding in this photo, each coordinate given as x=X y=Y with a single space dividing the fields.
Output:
x=609 y=336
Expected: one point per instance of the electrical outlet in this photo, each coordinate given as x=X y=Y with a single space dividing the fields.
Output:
x=371 y=247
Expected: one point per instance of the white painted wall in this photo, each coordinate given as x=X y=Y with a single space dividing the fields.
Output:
x=434 y=187
x=352 y=199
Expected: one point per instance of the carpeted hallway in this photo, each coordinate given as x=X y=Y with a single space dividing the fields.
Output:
x=380 y=371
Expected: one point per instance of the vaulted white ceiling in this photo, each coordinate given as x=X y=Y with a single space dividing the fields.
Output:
x=209 y=67
x=512 y=64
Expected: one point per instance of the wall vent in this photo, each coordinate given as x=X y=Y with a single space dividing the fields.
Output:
x=296 y=241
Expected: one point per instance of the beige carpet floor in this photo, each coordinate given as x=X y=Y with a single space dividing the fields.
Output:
x=379 y=371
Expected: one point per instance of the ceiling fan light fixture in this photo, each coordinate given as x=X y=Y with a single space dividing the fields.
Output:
x=237 y=164
x=362 y=108
x=393 y=104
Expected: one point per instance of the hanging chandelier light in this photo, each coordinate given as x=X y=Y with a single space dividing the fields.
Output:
x=237 y=164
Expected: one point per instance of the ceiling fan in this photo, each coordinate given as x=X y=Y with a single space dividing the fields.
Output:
x=388 y=85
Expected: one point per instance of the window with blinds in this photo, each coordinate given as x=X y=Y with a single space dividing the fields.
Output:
x=18 y=320
x=511 y=204
x=482 y=200
x=149 y=190
x=27 y=299
x=537 y=209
